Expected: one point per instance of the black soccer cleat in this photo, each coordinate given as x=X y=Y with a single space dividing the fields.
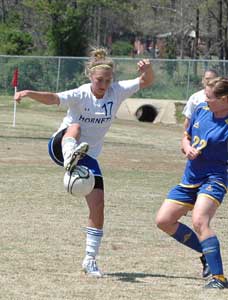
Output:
x=206 y=269
x=215 y=283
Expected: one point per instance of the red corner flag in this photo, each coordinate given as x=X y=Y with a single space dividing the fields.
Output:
x=15 y=78
x=15 y=84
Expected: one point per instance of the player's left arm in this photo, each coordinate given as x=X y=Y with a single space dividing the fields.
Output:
x=147 y=75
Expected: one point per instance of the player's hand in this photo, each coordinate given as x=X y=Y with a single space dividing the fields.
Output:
x=147 y=74
x=144 y=65
x=191 y=153
x=19 y=95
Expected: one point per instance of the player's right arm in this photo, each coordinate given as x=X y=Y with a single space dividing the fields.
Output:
x=189 y=151
x=42 y=97
x=186 y=123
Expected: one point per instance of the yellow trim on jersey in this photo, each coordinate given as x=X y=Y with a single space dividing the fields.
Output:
x=210 y=197
x=221 y=184
x=180 y=203
x=190 y=186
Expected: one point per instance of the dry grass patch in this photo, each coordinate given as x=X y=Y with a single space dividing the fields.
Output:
x=42 y=228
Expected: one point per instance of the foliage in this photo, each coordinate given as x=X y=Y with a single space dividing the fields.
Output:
x=170 y=52
x=33 y=74
x=163 y=90
x=72 y=74
x=68 y=27
x=42 y=74
x=179 y=106
x=14 y=41
x=122 y=48
x=65 y=33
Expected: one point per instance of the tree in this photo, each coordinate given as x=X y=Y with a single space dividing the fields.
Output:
x=62 y=26
x=68 y=27
x=14 y=42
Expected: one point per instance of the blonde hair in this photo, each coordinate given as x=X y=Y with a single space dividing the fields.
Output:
x=219 y=86
x=98 y=59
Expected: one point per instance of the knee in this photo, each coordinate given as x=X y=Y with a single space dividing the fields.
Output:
x=162 y=223
x=198 y=225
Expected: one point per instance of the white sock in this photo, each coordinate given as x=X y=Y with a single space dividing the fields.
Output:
x=68 y=145
x=93 y=241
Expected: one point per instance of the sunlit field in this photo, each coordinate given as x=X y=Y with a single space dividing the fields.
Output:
x=42 y=227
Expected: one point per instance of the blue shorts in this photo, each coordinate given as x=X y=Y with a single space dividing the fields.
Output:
x=55 y=152
x=187 y=196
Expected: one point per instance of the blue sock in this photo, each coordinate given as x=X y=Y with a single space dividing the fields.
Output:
x=211 y=250
x=187 y=237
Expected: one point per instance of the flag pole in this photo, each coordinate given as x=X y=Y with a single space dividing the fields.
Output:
x=15 y=84
x=14 y=108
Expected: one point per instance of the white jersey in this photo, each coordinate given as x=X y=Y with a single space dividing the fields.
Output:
x=192 y=102
x=95 y=116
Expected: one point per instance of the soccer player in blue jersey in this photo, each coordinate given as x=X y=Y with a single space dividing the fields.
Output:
x=204 y=182
x=91 y=109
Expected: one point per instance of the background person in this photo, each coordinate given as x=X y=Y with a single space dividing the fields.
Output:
x=197 y=97
x=91 y=110
x=204 y=182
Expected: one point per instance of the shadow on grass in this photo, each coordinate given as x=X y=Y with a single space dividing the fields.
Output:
x=133 y=277
x=25 y=137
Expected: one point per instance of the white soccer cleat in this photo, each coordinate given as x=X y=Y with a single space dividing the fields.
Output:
x=90 y=267
x=72 y=159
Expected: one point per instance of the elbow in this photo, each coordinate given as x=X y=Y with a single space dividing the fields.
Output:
x=55 y=100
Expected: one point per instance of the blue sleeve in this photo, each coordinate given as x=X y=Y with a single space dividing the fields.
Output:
x=194 y=117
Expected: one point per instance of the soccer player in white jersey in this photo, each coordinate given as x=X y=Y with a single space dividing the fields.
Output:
x=91 y=110
x=197 y=97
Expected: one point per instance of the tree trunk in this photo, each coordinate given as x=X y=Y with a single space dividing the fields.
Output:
x=99 y=26
x=3 y=12
x=195 y=49
x=226 y=40
x=220 y=38
x=208 y=56
x=196 y=42
x=182 y=33
x=220 y=35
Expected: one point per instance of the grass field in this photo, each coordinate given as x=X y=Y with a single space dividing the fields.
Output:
x=42 y=228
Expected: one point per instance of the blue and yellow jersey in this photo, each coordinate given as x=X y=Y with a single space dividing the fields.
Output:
x=210 y=136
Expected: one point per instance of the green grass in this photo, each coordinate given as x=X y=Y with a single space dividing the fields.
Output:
x=42 y=227
x=179 y=108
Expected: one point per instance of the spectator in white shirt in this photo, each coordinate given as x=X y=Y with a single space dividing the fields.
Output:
x=197 y=97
